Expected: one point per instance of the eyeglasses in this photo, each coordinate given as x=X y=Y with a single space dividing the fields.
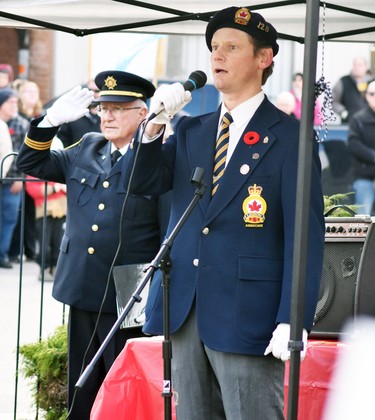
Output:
x=370 y=93
x=116 y=111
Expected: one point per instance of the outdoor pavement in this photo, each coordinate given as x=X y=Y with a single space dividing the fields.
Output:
x=20 y=288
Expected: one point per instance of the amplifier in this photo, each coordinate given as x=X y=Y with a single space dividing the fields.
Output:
x=348 y=280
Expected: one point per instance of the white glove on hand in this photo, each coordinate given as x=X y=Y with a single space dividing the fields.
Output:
x=173 y=98
x=70 y=106
x=279 y=343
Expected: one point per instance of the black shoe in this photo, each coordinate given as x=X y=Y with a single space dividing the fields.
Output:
x=5 y=264
x=14 y=259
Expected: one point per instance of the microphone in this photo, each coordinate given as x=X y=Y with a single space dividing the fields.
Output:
x=196 y=80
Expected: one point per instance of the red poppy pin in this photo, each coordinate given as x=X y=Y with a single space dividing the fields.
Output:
x=251 y=137
x=11 y=131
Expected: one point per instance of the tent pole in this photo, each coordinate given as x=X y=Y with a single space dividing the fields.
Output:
x=307 y=141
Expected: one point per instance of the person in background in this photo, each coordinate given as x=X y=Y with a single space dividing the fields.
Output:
x=232 y=261
x=50 y=232
x=54 y=225
x=29 y=102
x=361 y=145
x=296 y=91
x=286 y=102
x=29 y=106
x=73 y=131
x=6 y=159
x=93 y=171
x=6 y=76
x=11 y=190
x=349 y=91
x=6 y=148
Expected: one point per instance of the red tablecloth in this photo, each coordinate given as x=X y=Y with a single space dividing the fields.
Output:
x=133 y=386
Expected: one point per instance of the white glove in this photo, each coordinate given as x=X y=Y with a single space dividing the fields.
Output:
x=169 y=98
x=70 y=106
x=279 y=343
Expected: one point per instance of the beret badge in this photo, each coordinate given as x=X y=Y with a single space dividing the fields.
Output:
x=110 y=82
x=242 y=16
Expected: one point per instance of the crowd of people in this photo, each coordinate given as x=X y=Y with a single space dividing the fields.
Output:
x=105 y=169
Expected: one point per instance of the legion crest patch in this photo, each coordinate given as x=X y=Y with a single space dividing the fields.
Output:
x=254 y=207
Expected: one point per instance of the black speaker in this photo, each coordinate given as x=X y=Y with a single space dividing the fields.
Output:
x=348 y=280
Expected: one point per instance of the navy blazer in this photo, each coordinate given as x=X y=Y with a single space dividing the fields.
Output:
x=95 y=194
x=238 y=273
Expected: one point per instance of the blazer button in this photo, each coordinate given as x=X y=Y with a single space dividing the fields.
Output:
x=91 y=250
x=105 y=184
x=83 y=180
x=101 y=206
x=196 y=262
x=95 y=228
x=206 y=231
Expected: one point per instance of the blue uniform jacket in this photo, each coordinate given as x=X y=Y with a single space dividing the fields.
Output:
x=239 y=273
x=95 y=194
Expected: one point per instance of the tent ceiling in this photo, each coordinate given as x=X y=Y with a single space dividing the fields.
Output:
x=82 y=17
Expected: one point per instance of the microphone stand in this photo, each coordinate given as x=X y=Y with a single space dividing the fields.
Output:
x=162 y=261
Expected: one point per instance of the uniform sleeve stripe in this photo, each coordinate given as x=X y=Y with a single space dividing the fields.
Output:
x=38 y=145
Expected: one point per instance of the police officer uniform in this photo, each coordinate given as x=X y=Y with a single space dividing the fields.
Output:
x=95 y=194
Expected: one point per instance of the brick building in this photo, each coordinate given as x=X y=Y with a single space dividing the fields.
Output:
x=29 y=52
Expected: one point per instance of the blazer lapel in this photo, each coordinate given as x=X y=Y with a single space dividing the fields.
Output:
x=244 y=160
x=200 y=150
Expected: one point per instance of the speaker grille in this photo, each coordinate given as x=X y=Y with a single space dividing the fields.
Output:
x=337 y=289
x=348 y=279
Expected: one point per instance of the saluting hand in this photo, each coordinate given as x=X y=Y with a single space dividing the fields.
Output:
x=70 y=106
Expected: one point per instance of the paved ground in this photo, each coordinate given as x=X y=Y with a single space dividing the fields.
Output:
x=22 y=291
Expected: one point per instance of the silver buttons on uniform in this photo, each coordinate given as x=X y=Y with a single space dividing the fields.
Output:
x=196 y=262
x=83 y=180
x=105 y=184
x=91 y=250
x=101 y=206
x=95 y=228
x=206 y=231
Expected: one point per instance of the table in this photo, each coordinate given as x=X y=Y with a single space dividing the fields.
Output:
x=133 y=386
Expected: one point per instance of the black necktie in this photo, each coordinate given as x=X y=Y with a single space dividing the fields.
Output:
x=221 y=148
x=115 y=156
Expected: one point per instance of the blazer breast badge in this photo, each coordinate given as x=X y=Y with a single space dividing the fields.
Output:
x=254 y=207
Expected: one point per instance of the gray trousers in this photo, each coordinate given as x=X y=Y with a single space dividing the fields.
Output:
x=213 y=385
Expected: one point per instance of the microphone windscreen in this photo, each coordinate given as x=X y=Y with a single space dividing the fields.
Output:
x=196 y=80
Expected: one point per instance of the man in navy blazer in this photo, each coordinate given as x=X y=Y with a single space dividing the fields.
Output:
x=95 y=194
x=231 y=275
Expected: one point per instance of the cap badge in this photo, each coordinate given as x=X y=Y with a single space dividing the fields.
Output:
x=242 y=16
x=254 y=207
x=110 y=82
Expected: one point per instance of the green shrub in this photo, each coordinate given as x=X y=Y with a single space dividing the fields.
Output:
x=46 y=362
x=335 y=205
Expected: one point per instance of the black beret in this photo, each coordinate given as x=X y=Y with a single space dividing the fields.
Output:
x=120 y=86
x=242 y=19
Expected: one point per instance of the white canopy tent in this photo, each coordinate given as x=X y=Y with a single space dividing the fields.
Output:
x=346 y=20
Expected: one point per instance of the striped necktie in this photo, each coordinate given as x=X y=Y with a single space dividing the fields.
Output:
x=221 y=150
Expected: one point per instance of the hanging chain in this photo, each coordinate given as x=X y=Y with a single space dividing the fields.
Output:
x=326 y=112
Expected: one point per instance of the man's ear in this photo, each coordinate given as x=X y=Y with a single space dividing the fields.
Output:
x=266 y=58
